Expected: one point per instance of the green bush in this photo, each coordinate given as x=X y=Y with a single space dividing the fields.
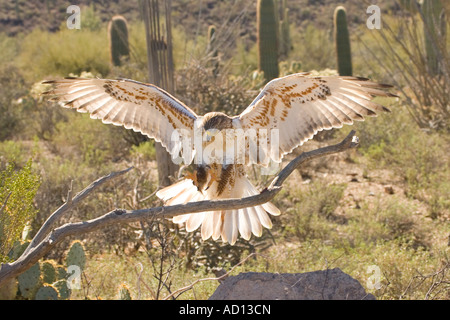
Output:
x=418 y=157
x=313 y=48
x=12 y=151
x=12 y=88
x=46 y=54
x=145 y=149
x=92 y=142
x=17 y=192
x=313 y=213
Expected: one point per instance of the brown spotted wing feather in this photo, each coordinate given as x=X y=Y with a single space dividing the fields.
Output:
x=142 y=107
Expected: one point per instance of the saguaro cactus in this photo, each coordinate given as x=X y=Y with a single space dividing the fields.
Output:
x=118 y=39
x=211 y=37
x=285 y=37
x=342 y=42
x=434 y=30
x=409 y=5
x=212 y=49
x=161 y=69
x=124 y=292
x=267 y=39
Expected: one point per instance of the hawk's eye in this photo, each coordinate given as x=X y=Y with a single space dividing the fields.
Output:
x=210 y=133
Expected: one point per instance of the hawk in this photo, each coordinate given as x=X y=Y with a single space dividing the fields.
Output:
x=294 y=107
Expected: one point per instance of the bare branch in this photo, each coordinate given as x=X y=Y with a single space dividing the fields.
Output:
x=50 y=238
x=69 y=204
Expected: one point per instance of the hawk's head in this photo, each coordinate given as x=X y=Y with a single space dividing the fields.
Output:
x=214 y=122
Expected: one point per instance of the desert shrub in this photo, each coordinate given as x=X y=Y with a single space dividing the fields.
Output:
x=12 y=88
x=397 y=54
x=420 y=158
x=91 y=19
x=89 y=141
x=313 y=48
x=16 y=152
x=202 y=91
x=145 y=149
x=17 y=192
x=312 y=215
x=9 y=47
x=389 y=219
x=44 y=54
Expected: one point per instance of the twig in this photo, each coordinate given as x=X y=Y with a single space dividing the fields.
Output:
x=150 y=195
x=4 y=203
x=50 y=238
x=139 y=274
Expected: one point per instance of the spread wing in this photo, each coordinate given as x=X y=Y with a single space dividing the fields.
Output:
x=142 y=107
x=299 y=106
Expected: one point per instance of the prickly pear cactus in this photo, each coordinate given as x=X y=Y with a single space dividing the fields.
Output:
x=63 y=289
x=61 y=273
x=46 y=280
x=76 y=255
x=46 y=292
x=48 y=271
x=124 y=292
x=17 y=249
x=29 y=281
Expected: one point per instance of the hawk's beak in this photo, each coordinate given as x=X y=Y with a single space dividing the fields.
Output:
x=209 y=136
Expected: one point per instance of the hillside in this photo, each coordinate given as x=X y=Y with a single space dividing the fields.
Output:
x=17 y=16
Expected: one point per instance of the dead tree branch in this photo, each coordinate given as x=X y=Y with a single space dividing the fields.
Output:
x=48 y=237
x=70 y=203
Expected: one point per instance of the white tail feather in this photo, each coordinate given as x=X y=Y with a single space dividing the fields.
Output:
x=245 y=227
x=226 y=224
x=217 y=224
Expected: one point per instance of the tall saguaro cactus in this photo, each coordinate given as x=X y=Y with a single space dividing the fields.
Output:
x=212 y=49
x=342 y=42
x=285 y=37
x=161 y=69
x=118 y=39
x=434 y=29
x=267 y=39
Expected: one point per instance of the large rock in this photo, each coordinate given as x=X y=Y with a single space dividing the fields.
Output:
x=330 y=284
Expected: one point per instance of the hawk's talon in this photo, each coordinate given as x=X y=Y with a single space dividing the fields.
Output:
x=213 y=178
x=192 y=176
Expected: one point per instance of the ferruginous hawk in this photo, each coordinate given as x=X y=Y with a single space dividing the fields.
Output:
x=286 y=113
